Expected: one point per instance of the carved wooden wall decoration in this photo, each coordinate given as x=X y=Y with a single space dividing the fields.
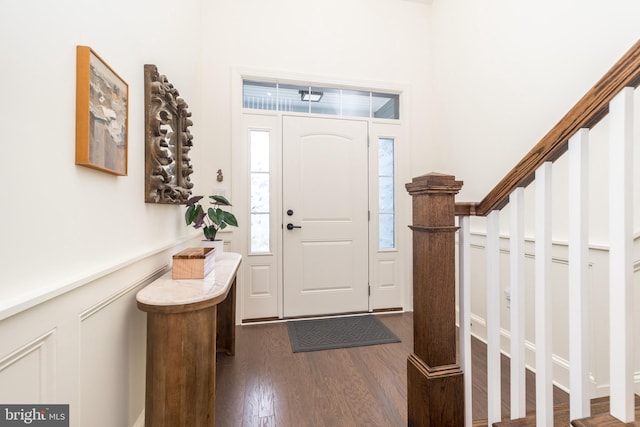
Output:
x=167 y=141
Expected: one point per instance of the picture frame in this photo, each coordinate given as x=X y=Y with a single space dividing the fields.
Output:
x=102 y=111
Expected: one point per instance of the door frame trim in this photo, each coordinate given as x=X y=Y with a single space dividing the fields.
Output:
x=239 y=168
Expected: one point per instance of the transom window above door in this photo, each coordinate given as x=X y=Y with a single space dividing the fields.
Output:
x=319 y=100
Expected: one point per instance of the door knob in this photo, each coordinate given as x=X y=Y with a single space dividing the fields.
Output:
x=291 y=226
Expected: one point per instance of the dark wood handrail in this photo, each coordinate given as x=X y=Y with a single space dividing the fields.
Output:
x=585 y=114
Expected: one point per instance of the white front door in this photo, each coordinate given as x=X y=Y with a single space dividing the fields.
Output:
x=325 y=216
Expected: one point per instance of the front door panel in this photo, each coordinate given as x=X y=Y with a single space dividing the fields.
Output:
x=325 y=192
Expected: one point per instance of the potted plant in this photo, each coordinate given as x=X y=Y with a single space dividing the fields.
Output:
x=213 y=219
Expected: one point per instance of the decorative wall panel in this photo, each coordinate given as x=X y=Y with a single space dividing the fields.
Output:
x=167 y=141
x=29 y=370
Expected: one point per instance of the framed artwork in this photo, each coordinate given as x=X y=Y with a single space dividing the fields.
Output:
x=102 y=110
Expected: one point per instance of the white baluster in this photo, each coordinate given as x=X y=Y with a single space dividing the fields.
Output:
x=620 y=262
x=580 y=406
x=544 y=377
x=518 y=319
x=493 y=318
x=464 y=271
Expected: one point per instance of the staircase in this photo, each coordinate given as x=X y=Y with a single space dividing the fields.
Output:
x=439 y=384
x=561 y=417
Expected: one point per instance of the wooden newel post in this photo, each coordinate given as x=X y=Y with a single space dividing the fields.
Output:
x=434 y=378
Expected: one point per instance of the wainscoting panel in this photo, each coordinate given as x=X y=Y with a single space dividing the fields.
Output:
x=113 y=338
x=85 y=348
x=30 y=371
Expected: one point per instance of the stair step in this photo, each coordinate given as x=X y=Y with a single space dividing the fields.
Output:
x=601 y=417
x=599 y=410
x=605 y=420
x=560 y=418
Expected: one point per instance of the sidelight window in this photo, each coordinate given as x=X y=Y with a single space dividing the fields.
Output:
x=386 y=203
x=260 y=175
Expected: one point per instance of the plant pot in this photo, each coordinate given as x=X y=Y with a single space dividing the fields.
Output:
x=218 y=244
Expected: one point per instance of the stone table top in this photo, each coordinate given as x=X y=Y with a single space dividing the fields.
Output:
x=172 y=295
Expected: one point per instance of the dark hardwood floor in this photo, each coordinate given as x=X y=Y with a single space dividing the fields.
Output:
x=265 y=384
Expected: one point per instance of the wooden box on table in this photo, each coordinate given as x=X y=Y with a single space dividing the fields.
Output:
x=193 y=263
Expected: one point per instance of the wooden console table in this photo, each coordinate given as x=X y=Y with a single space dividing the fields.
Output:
x=187 y=322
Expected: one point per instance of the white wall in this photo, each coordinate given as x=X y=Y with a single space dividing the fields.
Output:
x=76 y=244
x=506 y=72
x=371 y=42
x=62 y=223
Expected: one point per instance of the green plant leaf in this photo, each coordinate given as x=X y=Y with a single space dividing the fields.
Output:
x=220 y=200
x=215 y=215
x=210 y=232
x=213 y=219
x=200 y=217
x=190 y=215
x=193 y=200
x=230 y=219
